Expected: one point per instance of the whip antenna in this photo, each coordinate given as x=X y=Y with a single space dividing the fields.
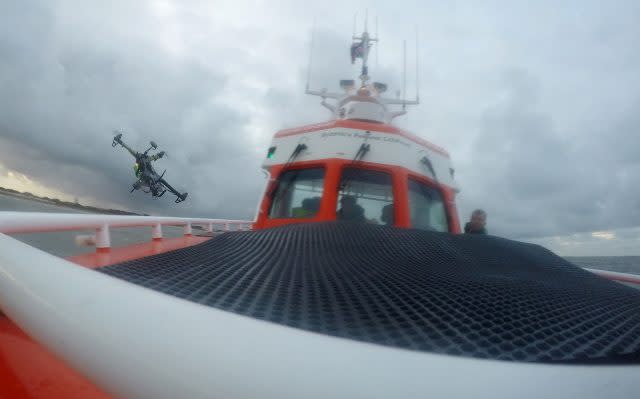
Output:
x=377 y=48
x=355 y=16
x=313 y=30
x=417 y=67
x=404 y=74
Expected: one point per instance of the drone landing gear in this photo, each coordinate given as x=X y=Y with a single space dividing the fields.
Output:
x=136 y=186
x=159 y=179
x=181 y=197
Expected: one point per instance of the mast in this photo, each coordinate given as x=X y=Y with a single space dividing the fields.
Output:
x=350 y=103
x=360 y=49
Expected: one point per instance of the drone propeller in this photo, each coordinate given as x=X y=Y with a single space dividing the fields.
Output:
x=116 y=140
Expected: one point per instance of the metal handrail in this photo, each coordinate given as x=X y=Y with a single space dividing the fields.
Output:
x=617 y=276
x=37 y=222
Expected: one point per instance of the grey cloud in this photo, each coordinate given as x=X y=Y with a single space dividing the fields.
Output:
x=60 y=111
x=541 y=119
x=551 y=183
x=620 y=242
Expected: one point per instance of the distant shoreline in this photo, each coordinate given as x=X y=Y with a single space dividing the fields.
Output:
x=65 y=204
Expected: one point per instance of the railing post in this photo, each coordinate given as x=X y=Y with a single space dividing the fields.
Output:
x=226 y=227
x=187 y=230
x=156 y=232
x=103 y=238
x=210 y=228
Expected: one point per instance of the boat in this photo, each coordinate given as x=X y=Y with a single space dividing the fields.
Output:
x=352 y=281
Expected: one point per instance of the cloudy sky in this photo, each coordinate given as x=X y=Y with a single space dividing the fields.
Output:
x=537 y=102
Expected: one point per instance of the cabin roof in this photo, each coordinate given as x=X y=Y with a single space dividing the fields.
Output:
x=355 y=124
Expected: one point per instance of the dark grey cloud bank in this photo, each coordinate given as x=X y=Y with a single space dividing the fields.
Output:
x=538 y=104
x=64 y=89
x=546 y=182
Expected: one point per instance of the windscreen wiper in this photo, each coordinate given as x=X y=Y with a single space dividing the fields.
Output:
x=294 y=154
x=427 y=162
x=299 y=148
x=362 y=151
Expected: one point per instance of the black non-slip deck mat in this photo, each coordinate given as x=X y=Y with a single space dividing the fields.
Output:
x=469 y=295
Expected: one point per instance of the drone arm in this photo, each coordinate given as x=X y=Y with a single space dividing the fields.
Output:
x=118 y=140
x=126 y=147
x=181 y=197
x=167 y=185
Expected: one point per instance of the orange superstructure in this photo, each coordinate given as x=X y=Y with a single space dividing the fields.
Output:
x=360 y=160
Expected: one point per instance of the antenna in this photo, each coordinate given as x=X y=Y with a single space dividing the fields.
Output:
x=417 y=67
x=366 y=17
x=404 y=74
x=377 y=49
x=313 y=30
x=354 y=24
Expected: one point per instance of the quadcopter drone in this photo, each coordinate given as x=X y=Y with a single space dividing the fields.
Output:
x=148 y=180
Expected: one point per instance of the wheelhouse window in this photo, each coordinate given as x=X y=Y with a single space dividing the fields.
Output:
x=298 y=194
x=365 y=196
x=426 y=207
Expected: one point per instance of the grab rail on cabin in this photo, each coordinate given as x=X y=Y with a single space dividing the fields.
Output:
x=38 y=222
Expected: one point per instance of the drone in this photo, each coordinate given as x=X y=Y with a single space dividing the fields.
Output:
x=148 y=180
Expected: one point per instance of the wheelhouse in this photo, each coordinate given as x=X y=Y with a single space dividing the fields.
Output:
x=358 y=167
x=347 y=171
